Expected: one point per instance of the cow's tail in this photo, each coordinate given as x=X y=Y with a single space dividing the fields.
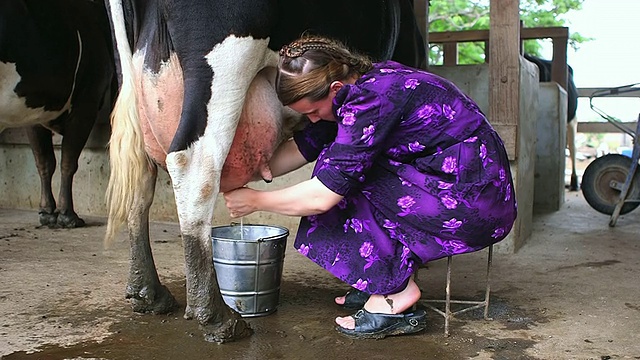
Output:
x=128 y=159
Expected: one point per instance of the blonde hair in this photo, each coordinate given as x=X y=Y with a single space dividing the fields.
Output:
x=309 y=65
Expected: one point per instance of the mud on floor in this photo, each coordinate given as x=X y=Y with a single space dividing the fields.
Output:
x=301 y=328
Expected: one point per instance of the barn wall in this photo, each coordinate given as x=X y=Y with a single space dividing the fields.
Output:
x=474 y=81
x=20 y=183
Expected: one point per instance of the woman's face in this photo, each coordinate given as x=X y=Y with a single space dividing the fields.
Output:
x=321 y=109
x=315 y=110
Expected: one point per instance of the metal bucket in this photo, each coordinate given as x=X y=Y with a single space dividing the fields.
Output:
x=248 y=260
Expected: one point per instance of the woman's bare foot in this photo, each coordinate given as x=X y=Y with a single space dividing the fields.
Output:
x=341 y=299
x=385 y=304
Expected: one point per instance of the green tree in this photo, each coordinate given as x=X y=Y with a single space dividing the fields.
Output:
x=459 y=15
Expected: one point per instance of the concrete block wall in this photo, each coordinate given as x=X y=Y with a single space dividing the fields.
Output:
x=20 y=184
x=474 y=81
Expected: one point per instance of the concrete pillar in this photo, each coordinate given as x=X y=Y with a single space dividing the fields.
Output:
x=551 y=132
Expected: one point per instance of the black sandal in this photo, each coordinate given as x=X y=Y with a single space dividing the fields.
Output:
x=355 y=299
x=378 y=326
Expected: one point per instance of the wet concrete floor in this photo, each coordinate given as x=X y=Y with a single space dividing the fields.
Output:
x=283 y=335
x=571 y=293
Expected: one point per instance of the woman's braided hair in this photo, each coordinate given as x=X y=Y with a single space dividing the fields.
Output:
x=309 y=65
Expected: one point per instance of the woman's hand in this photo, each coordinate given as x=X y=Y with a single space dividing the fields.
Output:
x=309 y=197
x=240 y=201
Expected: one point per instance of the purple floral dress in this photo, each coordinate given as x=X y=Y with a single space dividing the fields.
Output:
x=422 y=172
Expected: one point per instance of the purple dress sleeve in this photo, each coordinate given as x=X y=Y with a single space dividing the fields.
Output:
x=367 y=121
x=314 y=138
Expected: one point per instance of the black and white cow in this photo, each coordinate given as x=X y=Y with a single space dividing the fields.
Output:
x=194 y=75
x=56 y=74
x=544 y=69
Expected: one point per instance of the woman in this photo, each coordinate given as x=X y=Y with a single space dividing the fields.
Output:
x=408 y=170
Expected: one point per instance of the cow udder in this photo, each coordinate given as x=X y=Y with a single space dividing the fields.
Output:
x=258 y=134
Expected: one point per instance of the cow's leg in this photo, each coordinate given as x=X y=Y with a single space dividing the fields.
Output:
x=144 y=289
x=572 y=130
x=41 y=143
x=76 y=133
x=132 y=183
x=196 y=168
x=196 y=191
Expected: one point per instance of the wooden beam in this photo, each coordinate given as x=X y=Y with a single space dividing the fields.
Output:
x=483 y=35
x=545 y=32
x=504 y=71
x=600 y=127
x=586 y=92
x=458 y=36
x=559 y=69
x=559 y=36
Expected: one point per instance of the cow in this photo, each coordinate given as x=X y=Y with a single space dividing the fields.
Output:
x=57 y=74
x=194 y=75
x=544 y=69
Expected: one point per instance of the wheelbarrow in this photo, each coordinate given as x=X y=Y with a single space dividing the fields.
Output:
x=611 y=183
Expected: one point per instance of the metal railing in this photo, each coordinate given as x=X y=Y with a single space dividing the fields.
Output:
x=612 y=124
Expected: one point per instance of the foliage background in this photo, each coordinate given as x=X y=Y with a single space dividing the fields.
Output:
x=459 y=15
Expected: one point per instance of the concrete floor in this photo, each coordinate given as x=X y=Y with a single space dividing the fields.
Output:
x=572 y=292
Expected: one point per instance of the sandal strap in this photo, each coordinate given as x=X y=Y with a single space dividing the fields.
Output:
x=355 y=299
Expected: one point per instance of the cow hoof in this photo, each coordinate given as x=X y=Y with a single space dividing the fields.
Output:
x=188 y=313
x=49 y=219
x=158 y=301
x=70 y=221
x=233 y=329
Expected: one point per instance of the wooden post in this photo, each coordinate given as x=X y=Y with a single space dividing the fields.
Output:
x=504 y=71
x=559 y=69
x=450 y=53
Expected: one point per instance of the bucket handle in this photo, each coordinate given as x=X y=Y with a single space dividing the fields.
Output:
x=285 y=232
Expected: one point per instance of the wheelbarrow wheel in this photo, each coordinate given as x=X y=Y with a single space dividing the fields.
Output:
x=597 y=180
